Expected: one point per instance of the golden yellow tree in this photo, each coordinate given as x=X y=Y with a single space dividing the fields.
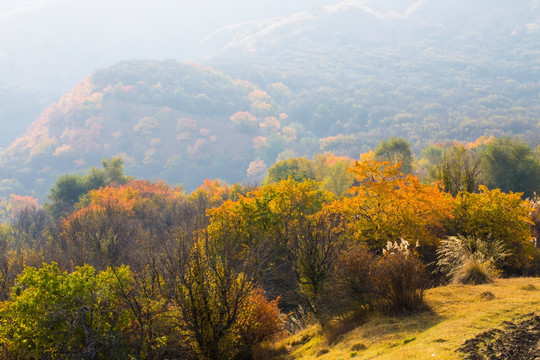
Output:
x=385 y=206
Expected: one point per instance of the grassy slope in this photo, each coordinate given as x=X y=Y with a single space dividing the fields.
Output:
x=456 y=313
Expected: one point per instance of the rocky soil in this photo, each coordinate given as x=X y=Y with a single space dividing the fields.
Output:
x=518 y=340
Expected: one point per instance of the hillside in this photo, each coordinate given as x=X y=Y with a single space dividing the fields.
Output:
x=184 y=123
x=421 y=70
x=167 y=120
x=456 y=313
x=324 y=76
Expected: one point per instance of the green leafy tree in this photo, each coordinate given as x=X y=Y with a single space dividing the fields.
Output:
x=395 y=150
x=297 y=168
x=511 y=165
x=53 y=314
x=459 y=170
x=431 y=156
x=69 y=188
x=333 y=172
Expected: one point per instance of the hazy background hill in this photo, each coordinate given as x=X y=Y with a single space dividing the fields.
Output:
x=315 y=75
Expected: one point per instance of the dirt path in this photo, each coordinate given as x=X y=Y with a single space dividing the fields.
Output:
x=511 y=341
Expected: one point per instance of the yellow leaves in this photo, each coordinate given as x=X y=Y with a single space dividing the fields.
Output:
x=492 y=215
x=504 y=213
x=386 y=206
x=368 y=171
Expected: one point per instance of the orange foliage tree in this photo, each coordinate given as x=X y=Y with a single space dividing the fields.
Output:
x=100 y=233
x=384 y=205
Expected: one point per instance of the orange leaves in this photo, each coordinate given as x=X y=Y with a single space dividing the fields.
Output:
x=369 y=171
x=110 y=197
x=261 y=320
x=331 y=159
x=125 y=198
x=114 y=224
x=482 y=140
x=386 y=206
x=105 y=200
x=147 y=189
x=213 y=191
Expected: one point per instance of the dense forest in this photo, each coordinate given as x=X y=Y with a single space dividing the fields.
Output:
x=183 y=123
x=314 y=163
x=115 y=267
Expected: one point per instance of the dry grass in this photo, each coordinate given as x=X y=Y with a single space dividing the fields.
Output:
x=457 y=313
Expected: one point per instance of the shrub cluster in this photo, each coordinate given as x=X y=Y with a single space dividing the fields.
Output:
x=391 y=282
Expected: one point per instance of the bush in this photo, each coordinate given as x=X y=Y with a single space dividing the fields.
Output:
x=355 y=276
x=261 y=321
x=474 y=271
x=535 y=217
x=401 y=279
x=469 y=260
x=392 y=282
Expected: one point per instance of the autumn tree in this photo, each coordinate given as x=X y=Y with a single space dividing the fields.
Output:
x=29 y=222
x=386 y=206
x=314 y=246
x=244 y=120
x=274 y=221
x=100 y=232
x=492 y=215
x=211 y=284
x=151 y=333
x=7 y=275
x=69 y=188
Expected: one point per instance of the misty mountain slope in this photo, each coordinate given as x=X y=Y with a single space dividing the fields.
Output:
x=424 y=70
x=427 y=35
x=53 y=44
x=382 y=23
x=167 y=120
x=312 y=77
